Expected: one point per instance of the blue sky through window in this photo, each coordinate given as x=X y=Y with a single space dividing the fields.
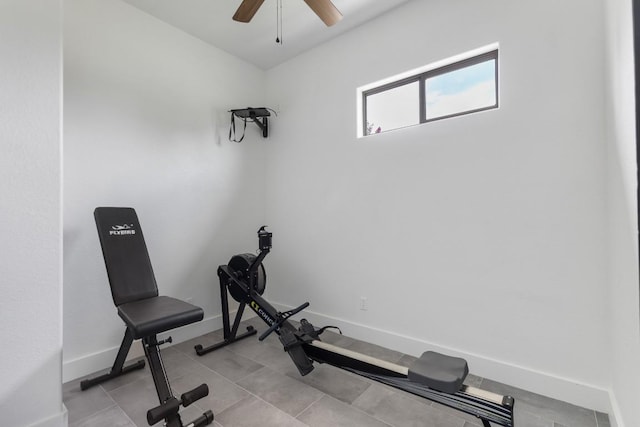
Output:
x=466 y=89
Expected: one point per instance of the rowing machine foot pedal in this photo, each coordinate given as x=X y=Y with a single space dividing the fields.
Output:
x=293 y=346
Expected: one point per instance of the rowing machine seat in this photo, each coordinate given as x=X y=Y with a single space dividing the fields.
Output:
x=439 y=371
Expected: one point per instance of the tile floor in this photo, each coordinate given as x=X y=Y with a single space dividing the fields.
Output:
x=256 y=384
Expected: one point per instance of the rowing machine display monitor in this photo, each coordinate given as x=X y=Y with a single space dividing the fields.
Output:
x=259 y=116
x=264 y=238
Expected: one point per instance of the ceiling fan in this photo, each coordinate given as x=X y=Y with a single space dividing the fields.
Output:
x=326 y=11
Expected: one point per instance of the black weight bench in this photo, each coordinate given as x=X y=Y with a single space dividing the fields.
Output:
x=135 y=294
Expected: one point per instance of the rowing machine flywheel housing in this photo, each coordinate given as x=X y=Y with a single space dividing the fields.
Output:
x=240 y=264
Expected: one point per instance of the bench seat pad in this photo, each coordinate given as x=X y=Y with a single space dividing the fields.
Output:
x=158 y=314
x=439 y=371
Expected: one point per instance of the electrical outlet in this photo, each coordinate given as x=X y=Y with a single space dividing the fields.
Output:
x=364 y=305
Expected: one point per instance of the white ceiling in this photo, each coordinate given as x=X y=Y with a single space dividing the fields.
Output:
x=210 y=20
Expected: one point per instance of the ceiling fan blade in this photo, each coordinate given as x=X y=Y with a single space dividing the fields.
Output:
x=325 y=11
x=247 y=9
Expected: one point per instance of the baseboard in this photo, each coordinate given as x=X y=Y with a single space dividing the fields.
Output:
x=565 y=389
x=90 y=363
x=58 y=420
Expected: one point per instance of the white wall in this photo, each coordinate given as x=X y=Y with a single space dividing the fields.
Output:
x=30 y=216
x=481 y=235
x=145 y=126
x=622 y=202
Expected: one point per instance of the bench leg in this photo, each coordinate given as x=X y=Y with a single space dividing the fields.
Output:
x=163 y=388
x=118 y=367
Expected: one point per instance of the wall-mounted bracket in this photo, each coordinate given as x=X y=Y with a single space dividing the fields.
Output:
x=259 y=116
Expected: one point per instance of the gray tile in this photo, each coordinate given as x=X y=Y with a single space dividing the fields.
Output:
x=177 y=363
x=229 y=364
x=283 y=392
x=129 y=377
x=72 y=389
x=261 y=327
x=82 y=405
x=333 y=381
x=222 y=392
x=260 y=352
x=329 y=412
x=397 y=409
x=253 y=412
x=602 y=419
x=136 y=398
x=111 y=417
x=250 y=347
x=205 y=340
x=458 y=414
x=527 y=418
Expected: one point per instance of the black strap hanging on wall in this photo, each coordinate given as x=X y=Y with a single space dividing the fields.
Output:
x=232 y=129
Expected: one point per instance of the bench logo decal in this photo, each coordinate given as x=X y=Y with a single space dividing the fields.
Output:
x=121 y=230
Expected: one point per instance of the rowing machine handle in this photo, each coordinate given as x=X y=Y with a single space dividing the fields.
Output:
x=281 y=318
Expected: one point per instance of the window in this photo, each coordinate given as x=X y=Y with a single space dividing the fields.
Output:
x=459 y=88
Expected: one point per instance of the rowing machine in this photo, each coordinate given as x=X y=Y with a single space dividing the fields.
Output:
x=434 y=376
